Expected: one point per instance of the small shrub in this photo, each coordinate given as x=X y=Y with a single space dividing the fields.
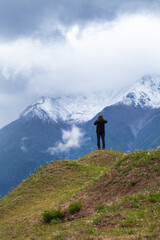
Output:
x=47 y=216
x=74 y=207
x=53 y=214
x=57 y=214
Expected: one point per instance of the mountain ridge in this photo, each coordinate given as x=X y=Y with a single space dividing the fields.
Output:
x=145 y=92
x=71 y=109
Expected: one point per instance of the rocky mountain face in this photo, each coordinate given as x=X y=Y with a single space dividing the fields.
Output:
x=59 y=128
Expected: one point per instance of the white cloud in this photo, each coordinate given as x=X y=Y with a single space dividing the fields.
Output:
x=110 y=53
x=22 y=145
x=100 y=56
x=70 y=139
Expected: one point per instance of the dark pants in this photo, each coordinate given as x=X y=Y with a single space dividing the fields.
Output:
x=102 y=136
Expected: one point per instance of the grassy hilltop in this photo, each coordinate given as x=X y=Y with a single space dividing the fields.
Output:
x=118 y=196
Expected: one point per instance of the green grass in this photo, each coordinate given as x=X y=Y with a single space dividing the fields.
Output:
x=100 y=208
x=47 y=188
x=139 y=158
x=57 y=184
x=154 y=197
x=137 y=213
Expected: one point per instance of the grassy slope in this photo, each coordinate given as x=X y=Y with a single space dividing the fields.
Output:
x=104 y=180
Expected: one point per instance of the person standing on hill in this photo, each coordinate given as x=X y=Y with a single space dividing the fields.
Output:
x=100 y=130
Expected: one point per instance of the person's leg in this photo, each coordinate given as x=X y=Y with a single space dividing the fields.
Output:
x=98 y=141
x=103 y=140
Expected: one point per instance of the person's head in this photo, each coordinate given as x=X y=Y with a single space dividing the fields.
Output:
x=100 y=116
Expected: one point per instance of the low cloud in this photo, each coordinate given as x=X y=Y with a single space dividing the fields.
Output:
x=70 y=139
x=23 y=142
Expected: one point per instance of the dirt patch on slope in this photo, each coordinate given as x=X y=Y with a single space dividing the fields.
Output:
x=124 y=179
x=110 y=222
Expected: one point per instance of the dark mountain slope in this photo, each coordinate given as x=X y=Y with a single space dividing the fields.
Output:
x=23 y=146
x=149 y=135
x=128 y=128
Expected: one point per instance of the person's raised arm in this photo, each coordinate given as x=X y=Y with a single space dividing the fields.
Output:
x=95 y=123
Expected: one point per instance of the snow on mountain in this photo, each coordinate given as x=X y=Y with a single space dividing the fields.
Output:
x=80 y=108
x=145 y=92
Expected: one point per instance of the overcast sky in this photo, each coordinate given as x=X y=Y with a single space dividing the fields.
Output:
x=56 y=47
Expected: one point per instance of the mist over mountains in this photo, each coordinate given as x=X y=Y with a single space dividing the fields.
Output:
x=59 y=128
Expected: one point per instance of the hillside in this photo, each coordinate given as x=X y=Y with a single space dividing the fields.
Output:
x=57 y=128
x=118 y=194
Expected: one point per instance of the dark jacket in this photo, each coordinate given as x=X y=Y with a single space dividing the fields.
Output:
x=100 y=122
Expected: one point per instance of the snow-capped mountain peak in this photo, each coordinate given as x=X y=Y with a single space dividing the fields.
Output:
x=145 y=92
x=79 y=108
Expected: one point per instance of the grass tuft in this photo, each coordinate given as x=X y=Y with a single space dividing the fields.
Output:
x=154 y=197
x=100 y=208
